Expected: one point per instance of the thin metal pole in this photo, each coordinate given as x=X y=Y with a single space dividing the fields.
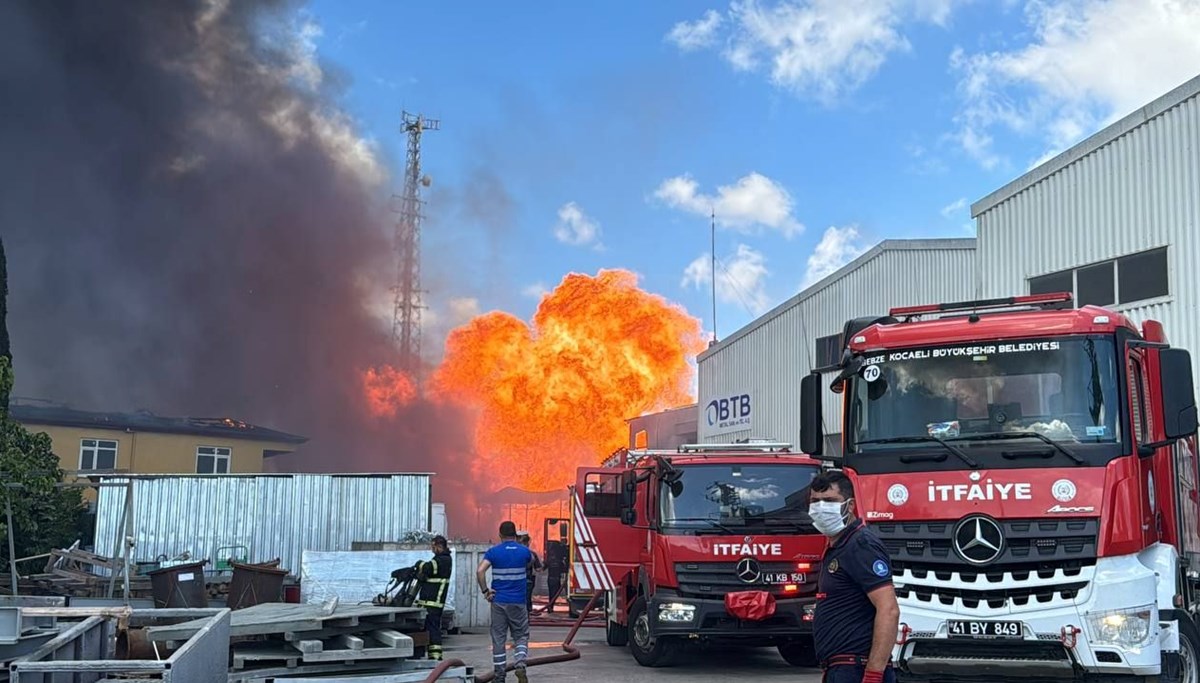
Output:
x=12 y=546
x=128 y=533
x=714 y=272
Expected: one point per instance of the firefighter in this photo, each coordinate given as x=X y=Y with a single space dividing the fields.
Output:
x=434 y=578
x=857 y=615
x=535 y=564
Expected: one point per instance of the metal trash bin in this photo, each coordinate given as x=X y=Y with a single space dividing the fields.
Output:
x=254 y=584
x=182 y=585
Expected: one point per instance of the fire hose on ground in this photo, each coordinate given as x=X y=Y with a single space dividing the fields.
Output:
x=570 y=652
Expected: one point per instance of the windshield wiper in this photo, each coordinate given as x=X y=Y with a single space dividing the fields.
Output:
x=925 y=439
x=1023 y=435
x=715 y=524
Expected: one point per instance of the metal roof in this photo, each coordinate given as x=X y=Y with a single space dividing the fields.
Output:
x=815 y=288
x=1138 y=118
x=63 y=416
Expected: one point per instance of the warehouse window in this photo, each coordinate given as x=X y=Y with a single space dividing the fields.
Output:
x=1126 y=280
x=829 y=350
x=1142 y=276
x=1095 y=286
x=97 y=454
x=212 y=460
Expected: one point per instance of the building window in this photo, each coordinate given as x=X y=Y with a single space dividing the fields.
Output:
x=829 y=350
x=212 y=460
x=1126 y=280
x=1143 y=276
x=97 y=454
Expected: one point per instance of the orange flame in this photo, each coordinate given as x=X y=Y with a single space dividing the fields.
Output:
x=555 y=395
x=387 y=390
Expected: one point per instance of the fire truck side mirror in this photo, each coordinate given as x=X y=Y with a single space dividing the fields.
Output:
x=628 y=498
x=812 y=440
x=1178 y=393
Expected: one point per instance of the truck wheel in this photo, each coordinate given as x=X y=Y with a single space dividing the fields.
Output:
x=1189 y=651
x=648 y=651
x=799 y=652
x=616 y=635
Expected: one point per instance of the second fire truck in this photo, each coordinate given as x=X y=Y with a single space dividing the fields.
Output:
x=707 y=543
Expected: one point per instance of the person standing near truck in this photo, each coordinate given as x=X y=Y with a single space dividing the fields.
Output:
x=535 y=564
x=434 y=580
x=857 y=614
x=508 y=561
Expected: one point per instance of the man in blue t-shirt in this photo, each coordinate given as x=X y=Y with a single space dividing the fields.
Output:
x=508 y=562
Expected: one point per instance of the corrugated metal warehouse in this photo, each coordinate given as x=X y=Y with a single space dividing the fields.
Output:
x=1116 y=220
x=760 y=366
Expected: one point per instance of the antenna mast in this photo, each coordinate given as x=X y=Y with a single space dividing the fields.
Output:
x=406 y=310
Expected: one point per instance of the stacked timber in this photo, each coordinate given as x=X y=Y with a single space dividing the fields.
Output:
x=271 y=640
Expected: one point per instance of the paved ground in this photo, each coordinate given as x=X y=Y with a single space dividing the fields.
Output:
x=599 y=662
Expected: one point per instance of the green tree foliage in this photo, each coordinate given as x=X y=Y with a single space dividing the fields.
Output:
x=44 y=516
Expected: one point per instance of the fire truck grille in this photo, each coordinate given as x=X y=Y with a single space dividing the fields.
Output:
x=982 y=650
x=715 y=579
x=1032 y=548
x=995 y=599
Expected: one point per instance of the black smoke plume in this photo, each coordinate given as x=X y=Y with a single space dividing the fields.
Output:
x=194 y=228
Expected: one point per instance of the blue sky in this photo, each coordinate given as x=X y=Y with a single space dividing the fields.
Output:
x=580 y=136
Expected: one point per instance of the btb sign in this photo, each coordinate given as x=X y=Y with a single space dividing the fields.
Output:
x=725 y=414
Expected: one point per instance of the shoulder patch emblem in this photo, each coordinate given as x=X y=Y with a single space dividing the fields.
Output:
x=880 y=568
x=833 y=565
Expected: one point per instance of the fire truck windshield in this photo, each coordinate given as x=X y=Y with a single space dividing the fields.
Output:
x=1004 y=404
x=732 y=498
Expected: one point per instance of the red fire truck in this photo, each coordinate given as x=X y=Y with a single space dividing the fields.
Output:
x=668 y=535
x=1032 y=470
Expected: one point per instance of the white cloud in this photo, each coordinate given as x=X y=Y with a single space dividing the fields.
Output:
x=536 y=290
x=822 y=49
x=753 y=201
x=691 y=35
x=838 y=246
x=1090 y=62
x=740 y=279
x=953 y=208
x=574 y=227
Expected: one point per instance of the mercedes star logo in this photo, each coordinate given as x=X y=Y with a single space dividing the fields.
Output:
x=748 y=570
x=978 y=540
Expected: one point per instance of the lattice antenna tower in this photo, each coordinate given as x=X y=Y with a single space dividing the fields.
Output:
x=406 y=313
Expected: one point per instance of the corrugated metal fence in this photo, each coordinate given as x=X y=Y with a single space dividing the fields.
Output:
x=279 y=515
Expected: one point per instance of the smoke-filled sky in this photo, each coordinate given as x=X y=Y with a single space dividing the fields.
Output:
x=192 y=225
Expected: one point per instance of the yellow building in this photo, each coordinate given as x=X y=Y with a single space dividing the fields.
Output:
x=89 y=443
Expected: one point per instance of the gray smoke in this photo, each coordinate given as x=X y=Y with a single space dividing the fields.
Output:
x=192 y=226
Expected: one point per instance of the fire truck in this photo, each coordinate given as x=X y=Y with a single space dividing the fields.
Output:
x=1032 y=470
x=710 y=542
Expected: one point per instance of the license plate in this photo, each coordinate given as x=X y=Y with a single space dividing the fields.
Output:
x=783 y=577
x=985 y=629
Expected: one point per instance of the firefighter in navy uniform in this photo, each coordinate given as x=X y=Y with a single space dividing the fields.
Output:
x=434 y=580
x=857 y=615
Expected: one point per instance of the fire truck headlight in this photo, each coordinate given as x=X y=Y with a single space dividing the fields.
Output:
x=676 y=612
x=1126 y=628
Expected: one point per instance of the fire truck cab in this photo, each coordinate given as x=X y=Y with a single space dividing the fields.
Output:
x=1032 y=470
x=668 y=535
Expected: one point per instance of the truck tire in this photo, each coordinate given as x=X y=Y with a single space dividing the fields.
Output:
x=799 y=652
x=1189 y=651
x=646 y=650
x=616 y=635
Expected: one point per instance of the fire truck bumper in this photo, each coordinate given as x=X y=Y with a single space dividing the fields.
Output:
x=711 y=620
x=1112 y=632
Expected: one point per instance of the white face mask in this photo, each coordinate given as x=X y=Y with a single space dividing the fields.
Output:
x=829 y=517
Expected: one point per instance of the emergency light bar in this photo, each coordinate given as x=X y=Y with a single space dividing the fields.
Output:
x=761 y=446
x=1038 y=300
